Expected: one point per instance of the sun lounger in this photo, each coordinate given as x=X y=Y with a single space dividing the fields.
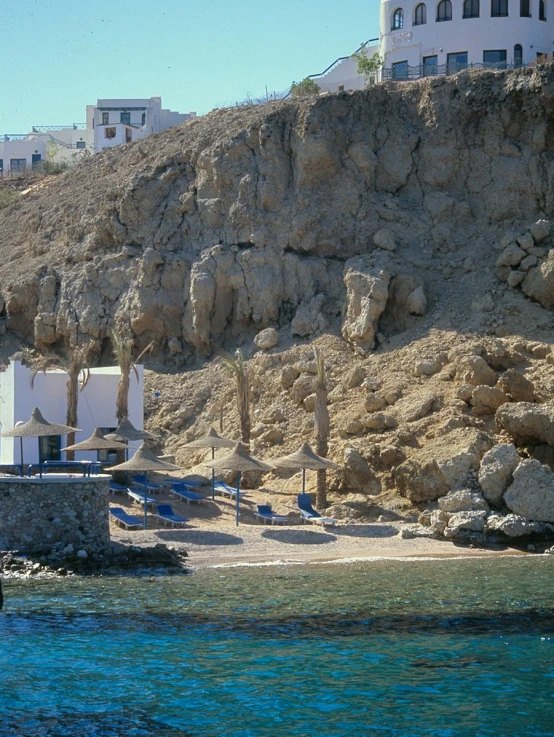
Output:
x=150 y=485
x=267 y=515
x=309 y=514
x=137 y=495
x=181 y=489
x=225 y=490
x=126 y=520
x=168 y=516
x=114 y=488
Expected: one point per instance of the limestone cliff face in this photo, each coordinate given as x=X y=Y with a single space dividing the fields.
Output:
x=341 y=211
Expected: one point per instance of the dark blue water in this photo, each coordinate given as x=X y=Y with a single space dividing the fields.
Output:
x=439 y=648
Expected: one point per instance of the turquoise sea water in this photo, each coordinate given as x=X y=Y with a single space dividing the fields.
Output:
x=447 y=648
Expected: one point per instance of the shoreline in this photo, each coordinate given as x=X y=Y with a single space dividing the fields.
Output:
x=225 y=546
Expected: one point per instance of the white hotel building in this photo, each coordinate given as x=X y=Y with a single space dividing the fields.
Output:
x=444 y=36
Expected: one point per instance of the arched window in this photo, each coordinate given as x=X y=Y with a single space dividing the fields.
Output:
x=444 y=10
x=471 y=9
x=524 y=8
x=542 y=12
x=420 y=16
x=518 y=55
x=499 y=8
x=398 y=19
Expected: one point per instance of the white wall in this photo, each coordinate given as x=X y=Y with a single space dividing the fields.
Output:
x=473 y=35
x=96 y=405
x=344 y=74
x=22 y=149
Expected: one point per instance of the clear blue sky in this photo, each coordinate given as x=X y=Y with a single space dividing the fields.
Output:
x=58 y=55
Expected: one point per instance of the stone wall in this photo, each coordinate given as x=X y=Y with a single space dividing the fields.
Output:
x=36 y=513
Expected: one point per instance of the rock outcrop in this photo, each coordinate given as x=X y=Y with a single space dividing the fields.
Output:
x=531 y=494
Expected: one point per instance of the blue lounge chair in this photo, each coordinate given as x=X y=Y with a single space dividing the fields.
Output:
x=180 y=489
x=225 y=490
x=150 y=485
x=168 y=516
x=114 y=488
x=126 y=520
x=309 y=514
x=137 y=495
x=267 y=515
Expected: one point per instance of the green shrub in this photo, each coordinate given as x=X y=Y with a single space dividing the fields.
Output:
x=8 y=196
x=305 y=87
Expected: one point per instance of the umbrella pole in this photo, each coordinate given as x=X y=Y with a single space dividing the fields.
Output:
x=145 y=498
x=213 y=477
x=303 y=480
x=21 y=454
x=238 y=494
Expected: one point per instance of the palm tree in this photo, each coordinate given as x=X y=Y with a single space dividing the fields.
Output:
x=124 y=349
x=321 y=426
x=237 y=366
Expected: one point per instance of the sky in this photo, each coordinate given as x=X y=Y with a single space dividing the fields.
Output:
x=57 y=56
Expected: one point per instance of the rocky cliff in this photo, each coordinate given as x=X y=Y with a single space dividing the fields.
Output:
x=405 y=228
x=305 y=214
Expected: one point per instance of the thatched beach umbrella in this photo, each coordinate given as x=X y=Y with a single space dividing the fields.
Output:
x=211 y=440
x=239 y=461
x=127 y=431
x=37 y=427
x=304 y=458
x=97 y=441
x=144 y=461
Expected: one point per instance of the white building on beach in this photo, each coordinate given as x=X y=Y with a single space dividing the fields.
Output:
x=19 y=394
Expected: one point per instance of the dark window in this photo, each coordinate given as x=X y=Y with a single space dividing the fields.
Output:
x=444 y=10
x=105 y=118
x=456 y=62
x=107 y=455
x=398 y=19
x=542 y=12
x=430 y=64
x=49 y=448
x=109 y=132
x=496 y=58
x=420 y=16
x=143 y=121
x=1 y=164
x=499 y=8
x=80 y=144
x=126 y=118
x=18 y=165
x=525 y=8
x=471 y=9
x=518 y=55
x=400 y=70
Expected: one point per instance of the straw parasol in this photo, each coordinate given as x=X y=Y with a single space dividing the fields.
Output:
x=127 y=431
x=239 y=461
x=97 y=441
x=143 y=461
x=304 y=458
x=37 y=427
x=211 y=440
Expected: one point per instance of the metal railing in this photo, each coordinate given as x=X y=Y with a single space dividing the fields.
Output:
x=401 y=73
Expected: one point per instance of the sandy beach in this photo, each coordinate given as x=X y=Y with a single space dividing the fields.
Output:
x=212 y=538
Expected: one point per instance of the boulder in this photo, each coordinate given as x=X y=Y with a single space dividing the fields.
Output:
x=367 y=291
x=512 y=525
x=487 y=399
x=385 y=239
x=462 y=523
x=356 y=377
x=374 y=402
x=539 y=282
x=516 y=386
x=442 y=464
x=496 y=471
x=531 y=493
x=357 y=473
x=378 y=422
x=412 y=408
x=510 y=256
x=428 y=367
x=540 y=230
x=288 y=376
x=302 y=388
x=474 y=370
x=527 y=423
x=463 y=500
x=266 y=339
